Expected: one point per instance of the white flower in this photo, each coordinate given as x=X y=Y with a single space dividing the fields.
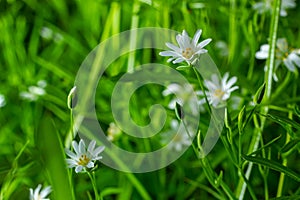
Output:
x=113 y=132
x=266 y=6
x=289 y=57
x=84 y=158
x=188 y=50
x=2 y=101
x=179 y=137
x=183 y=95
x=34 y=92
x=219 y=90
x=39 y=195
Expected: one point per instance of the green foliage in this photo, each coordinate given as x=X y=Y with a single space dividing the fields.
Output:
x=257 y=156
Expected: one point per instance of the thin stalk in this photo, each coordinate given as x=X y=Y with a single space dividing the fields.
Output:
x=92 y=177
x=284 y=163
x=203 y=90
x=268 y=79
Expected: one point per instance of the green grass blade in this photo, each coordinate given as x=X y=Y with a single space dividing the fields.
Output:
x=273 y=165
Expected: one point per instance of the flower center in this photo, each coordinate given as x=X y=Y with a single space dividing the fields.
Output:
x=187 y=53
x=83 y=160
x=219 y=93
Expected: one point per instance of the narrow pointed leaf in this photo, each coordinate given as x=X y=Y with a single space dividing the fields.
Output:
x=273 y=165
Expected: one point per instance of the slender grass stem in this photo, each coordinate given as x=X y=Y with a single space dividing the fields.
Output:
x=268 y=79
x=202 y=88
x=93 y=180
x=284 y=163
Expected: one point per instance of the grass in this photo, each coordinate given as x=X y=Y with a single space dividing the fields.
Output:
x=256 y=156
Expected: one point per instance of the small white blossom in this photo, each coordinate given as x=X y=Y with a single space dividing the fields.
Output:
x=39 y=195
x=183 y=95
x=179 y=137
x=34 y=92
x=2 y=101
x=289 y=57
x=266 y=6
x=48 y=34
x=188 y=50
x=113 y=132
x=219 y=90
x=83 y=158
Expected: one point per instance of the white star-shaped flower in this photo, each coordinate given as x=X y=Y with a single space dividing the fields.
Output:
x=188 y=50
x=219 y=90
x=39 y=195
x=83 y=158
x=289 y=57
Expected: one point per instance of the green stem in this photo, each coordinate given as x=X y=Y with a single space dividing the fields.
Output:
x=203 y=90
x=268 y=79
x=92 y=177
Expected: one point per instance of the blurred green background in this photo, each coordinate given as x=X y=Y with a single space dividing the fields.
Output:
x=48 y=40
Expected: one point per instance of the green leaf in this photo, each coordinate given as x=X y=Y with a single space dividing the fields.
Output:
x=273 y=165
x=260 y=94
x=282 y=121
x=241 y=119
x=287 y=147
x=297 y=110
x=181 y=68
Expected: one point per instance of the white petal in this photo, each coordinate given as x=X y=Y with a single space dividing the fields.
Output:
x=75 y=147
x=90 y=165
x=71 y=163
x=37 y=190
x=232 y=89
x=45 y=192
x=204 y=43
x=173 y=47
x=78 y=168
x=82 y=147
x=98 y=150
x=261 y=55
x=178 y=60
x=196 y=37
x=224 y=79
x=230 y=83
x=179 y=41
x=71 y=154
x=294 y=58
x=288 y=63
x=169 y=53
x=91 y=146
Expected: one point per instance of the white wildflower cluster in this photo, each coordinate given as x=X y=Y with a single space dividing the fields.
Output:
x=83 y=157
x=218 y=90
x=34 y=91
x=284 y=55
x=266 y=6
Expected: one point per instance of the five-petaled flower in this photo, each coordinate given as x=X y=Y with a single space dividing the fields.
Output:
x=188 y=50
x=289 y=57
x=219 y=90
x=39 y=195
x=84 y=158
